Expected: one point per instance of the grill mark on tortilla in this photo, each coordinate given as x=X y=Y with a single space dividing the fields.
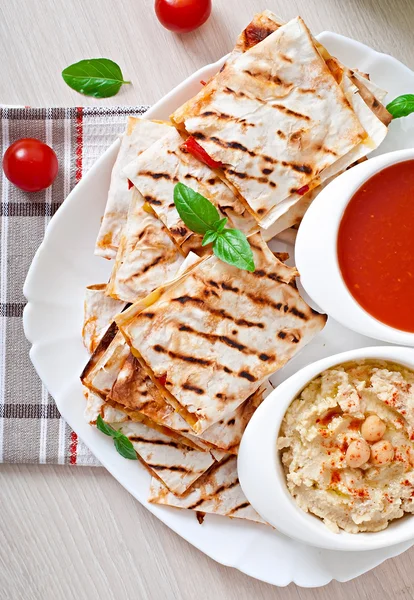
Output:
x=281 y=134
x=239 y=94
x=220 y=489
x=136 y=438
x=179 y=230
x=267 y=77
x=224 y=339
x=152 y=264
x=253 y=34
x=152 y=200
x=211 y=181
x=178 y=469
x=148 y=314
x=285 y=57
x=262 y=300
x=306 y=91
x=212 y=337
x=191 y=176
x=299 y=168
x=158 y=175
x=235 y=146
x=193 y=388
x=184 y=357
x=325 y=149
x=231 y=422
x=232 y=145
x=229 y=288
x=289 y=112
x=247 y=375
x=242 y=175
x=218 y=312
x=266 y=171
x=239 y=507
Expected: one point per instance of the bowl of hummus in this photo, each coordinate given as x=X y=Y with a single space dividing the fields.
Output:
x=328 y=458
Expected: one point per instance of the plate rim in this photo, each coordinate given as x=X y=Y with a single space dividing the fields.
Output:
x=30 y=310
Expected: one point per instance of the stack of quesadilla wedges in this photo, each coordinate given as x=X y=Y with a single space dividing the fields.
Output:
x=181 y=370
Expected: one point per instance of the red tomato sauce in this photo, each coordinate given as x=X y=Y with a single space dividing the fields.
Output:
x=376 y=246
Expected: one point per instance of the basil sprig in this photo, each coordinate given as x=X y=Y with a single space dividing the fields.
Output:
x=201 y=216
x=122 y=444
x=401 y=106
x=97 y=77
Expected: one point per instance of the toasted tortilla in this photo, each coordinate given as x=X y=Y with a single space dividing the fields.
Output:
x=96 y=406
x=99 y=311
x=135 y=392
x=177 y=465
x=102 y=369
x=138 y=136
x=216 y=333
x=147 y=256
x=156 y=172
x=217 y=492
x=280 y=85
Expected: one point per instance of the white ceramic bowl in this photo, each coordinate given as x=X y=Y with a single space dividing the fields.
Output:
x=316 y=252
x=263 y=479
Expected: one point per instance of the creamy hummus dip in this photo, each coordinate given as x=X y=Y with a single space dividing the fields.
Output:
x=347 y=446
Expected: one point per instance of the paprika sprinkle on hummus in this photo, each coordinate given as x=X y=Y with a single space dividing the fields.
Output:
x=347 y=445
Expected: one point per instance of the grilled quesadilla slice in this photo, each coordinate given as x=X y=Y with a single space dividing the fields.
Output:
x=157 y=170
x=103 y=367
x=104 y=377
x=218 y=492
x=300 y=121
x=358 y=89
x=99 y=312
x=176 y=465
x=147 y=256
x=139 y=135
x=135 y=392
x=215 y=334
x=96 y=406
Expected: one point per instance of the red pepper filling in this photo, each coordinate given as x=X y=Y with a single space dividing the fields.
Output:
x=194 y=148
x=130 y=184
x=303 y=190
x=203 y=82
x=162 y=380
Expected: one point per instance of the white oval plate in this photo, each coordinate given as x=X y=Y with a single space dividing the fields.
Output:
x=54 y=288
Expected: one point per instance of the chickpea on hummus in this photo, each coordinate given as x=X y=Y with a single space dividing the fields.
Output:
x=347 y=445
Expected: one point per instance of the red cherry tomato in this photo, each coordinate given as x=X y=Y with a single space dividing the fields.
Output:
x=30 y=164
x=182 y=15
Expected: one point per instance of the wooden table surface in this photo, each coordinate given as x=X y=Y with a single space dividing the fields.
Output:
x=73 y=532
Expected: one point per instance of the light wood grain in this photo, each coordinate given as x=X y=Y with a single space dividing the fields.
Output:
x=68 y=532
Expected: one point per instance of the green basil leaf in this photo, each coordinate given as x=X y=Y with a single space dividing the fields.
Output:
x=220 y=225
x=125 y=448
x=97 y=77
x=197 y=212
x=105 y=427
x=209 y=237
x=232 y=247
x=401 y=106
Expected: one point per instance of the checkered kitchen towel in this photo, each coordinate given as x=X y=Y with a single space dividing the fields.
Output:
x=31 y=428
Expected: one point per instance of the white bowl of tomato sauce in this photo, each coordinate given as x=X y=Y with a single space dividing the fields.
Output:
x=355 y=248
